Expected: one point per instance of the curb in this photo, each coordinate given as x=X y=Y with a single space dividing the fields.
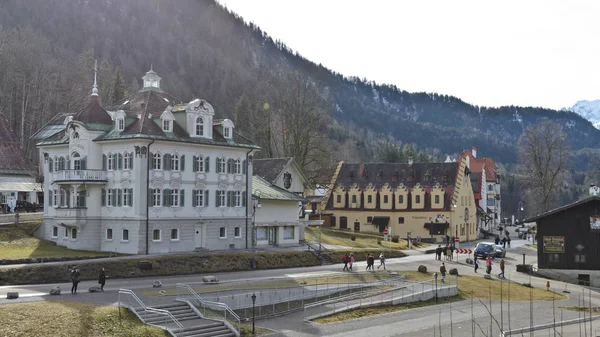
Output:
x=546 y=326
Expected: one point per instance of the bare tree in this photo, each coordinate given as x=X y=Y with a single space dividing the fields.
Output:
x=544 y=157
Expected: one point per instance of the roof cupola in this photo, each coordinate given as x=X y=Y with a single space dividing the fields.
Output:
x=151 y=80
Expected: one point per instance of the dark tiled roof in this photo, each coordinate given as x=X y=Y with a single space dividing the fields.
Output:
x=378 y=174
x=562 y=208
x=12 y=155
x=269 y=168
x=93 y=113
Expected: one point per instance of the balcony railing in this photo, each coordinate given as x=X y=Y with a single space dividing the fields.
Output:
x=80 y=175
x=70 y=212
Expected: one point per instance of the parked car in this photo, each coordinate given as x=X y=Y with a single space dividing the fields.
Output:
x=500 y=251
x=483 y=249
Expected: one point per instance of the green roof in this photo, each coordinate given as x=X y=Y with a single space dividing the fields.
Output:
x=265 y=190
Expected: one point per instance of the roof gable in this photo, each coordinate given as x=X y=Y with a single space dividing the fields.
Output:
x=562 y=208
x=263 y=189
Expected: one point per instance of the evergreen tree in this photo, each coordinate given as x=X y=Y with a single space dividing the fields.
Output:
x=119 y=87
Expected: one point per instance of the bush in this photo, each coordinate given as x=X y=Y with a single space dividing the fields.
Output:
x=453 y=271
x=379 y=241
x=353 y=238
x=395 y=238
x=422 y=269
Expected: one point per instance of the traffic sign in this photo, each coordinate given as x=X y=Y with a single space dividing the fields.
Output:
x=464 y=251
x=456 y=239
x=385 y=232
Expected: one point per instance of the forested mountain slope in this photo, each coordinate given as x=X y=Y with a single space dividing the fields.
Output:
x=200 y=49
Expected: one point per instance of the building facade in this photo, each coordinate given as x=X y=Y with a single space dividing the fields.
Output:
x=568 y=240
x=147 y=174
x=427 y=200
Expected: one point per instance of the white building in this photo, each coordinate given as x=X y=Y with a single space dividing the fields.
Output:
x=148 y=174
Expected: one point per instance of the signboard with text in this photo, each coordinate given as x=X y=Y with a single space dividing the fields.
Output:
x=595 y=222
x=554 y=244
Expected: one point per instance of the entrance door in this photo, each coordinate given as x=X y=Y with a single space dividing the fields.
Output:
x=357 y=226
x=343 y=222
x=273 y=236
x=198 y=236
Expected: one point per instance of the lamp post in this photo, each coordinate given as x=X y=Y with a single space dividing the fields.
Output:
x=255 y=205
x=519 y=209
x=253 y=302
x=435 y=275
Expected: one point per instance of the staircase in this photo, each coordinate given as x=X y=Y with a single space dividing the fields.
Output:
x=180 y=319
x=321 y=253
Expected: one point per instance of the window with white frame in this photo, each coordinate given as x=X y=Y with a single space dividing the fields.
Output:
x=174 y=234
x=110 y=162
x=238 y=166
x=76 y=161
x=157 y=197
x=64 y=198
x=125 y=235
x=261 y=233
x=198 y=164
x=109 y=234
x=199 y=126
x=222 y=233
x=227 y=132
x=54 y=231
x=175 y=162
x=237 y=232
x=200 y=198
x=288 y=232
x=167 y=125
x=61 y=164
x=156 y=235
x=127 y=160
x=175 y=198
x=237 y=199
x=110 y=197
x=55 y=163
x=221 y=165
x=121 y=124
x=74 y=233
x=157 y=162
x=222 y=201
x=56 y=197
x=80 y=201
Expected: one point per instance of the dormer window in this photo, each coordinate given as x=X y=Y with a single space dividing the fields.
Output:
x=120 y=124
x=167 y=125
x=227 y=132
x=75 y=135
x=199 y=126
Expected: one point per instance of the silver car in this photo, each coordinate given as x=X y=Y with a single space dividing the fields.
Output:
x=500 y=251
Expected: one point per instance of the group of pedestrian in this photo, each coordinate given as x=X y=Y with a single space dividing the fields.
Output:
x=504 y=241
x=349 y=262
x=447 y=251
x=488 y=265
x=76 y=275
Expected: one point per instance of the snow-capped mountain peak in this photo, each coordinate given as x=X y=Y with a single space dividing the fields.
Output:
x=589 y=110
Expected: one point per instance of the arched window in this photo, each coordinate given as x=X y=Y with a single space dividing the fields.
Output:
x=199 y=126
x=76 y=161
x=61 y=163
x=75 y=135
x=120 y=124
x=157 y=162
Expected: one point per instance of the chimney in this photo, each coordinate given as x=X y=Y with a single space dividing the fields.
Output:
x=594 y=190
x=474 y=152
x=410 y=161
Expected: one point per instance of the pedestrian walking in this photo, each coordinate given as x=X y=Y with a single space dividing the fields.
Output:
x=497 y=240
x=443 y=272
x=501 y=268
x=370 y=262
x=446 y=253
x=475 y=263
x=75 y=280
x=381 y=261
x=438 y=252
x=508 y=241
x=351 y=261
x=447 y=240
x=504 y=243
x=345 y=259
x=102 y=279
x=450 y=252
x=488 y=265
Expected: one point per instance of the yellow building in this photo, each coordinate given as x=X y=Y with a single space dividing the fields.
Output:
x=427 y=200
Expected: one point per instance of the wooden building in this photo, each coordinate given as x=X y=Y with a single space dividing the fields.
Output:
x=569 y=242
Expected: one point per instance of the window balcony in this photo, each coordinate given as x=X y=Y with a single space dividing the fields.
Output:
x=74 y=176
x=70 y=213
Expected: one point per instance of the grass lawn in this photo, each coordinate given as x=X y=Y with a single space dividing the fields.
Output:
x=343 y=238
x=246 y=331
x=281 y=283
x=382 y=309
x=595 y=310
x=479 y=287
x=16 y=242
x=68 y=319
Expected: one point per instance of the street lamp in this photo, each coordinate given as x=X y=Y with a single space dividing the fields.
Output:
x=435 y=275
x=519 y=210
x=255 y=205
x=253 y=302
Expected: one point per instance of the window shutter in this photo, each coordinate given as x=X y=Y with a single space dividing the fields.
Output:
x=228 y=200
x=194 y=198
x=167 y=197
x=114 y=197
x=119 y=197
x=244 y=167
x=244 y=198
x=207 y=164
x=181 y=197
x=104 y=162
x=217 y=199
x=68 y=196
x=83 y=163
x=206 y=195
x=120 y=162
x=131 y=161
x=130 y=197
x=67 y=163
x=167 y=162
x=229 y=170
x=103 y=197
x=50 y=165
x=217 y=166
x=150 y=196
x=182 y=163
x=194 y=164
x=152 y=160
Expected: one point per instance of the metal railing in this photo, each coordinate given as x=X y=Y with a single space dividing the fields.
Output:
x=210 y=308
x=78 y=175
x=151 y=310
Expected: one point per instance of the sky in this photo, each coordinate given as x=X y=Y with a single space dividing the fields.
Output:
x=525 y=52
